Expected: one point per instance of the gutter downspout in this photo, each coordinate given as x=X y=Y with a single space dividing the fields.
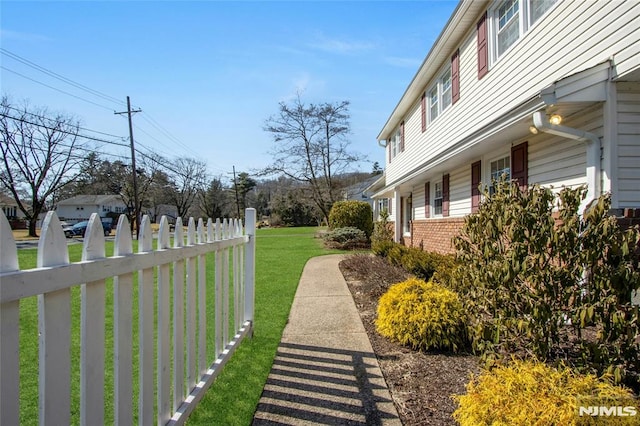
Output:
x=593 y=143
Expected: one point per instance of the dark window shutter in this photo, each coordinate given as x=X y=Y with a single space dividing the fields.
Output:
x=445 y=195
x=427 y=199
x=455 y=77
x=423 y=111
x=475 y=181
x=390 y=201
x=483 y=47
x=520 y=164
x=402 y=137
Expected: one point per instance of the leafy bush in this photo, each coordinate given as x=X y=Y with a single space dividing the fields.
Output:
x=382 y=236
x=533 y=282
x=346 y=238
x=531 y=393
x=420 y=263
x=422 y=315
x=356 y=214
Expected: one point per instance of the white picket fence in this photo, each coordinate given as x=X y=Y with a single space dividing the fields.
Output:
x=167 y=340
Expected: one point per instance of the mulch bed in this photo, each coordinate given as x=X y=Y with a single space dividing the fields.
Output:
x=421 y=384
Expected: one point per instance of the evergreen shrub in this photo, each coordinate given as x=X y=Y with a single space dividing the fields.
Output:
x=536 y=274
x=346 y=238
x=357 y=214
x=422 y=315
x=531 y=393
x=382 y=236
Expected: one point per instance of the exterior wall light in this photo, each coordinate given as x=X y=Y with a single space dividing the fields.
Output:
x=533 y=129
x=555 y=119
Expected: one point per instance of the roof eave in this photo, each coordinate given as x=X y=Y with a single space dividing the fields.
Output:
x=452 y=32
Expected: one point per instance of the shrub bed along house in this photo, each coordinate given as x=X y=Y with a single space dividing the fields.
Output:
x=531 y=393
x=539 y=280
x=422 y=315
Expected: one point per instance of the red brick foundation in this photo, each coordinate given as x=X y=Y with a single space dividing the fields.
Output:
x=627 y=218
x=434 y=234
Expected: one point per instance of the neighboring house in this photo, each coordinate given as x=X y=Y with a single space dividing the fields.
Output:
x=484 y=101
x=80 y=207
x=358 y=191
x=12 y=212
x=10 y=208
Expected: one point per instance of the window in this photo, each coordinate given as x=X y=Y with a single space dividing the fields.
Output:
x=396 y=142
x=437 y=199
x=433 y=103
x=439 y=97
x=408 y=214
x=446 y=89
x=538 y=8
x=383 y=205
x=510 y=19
x=508 y=28
x=500 y=167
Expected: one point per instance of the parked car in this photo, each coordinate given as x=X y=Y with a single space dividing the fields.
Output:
x=68 y=229
x=81 y=227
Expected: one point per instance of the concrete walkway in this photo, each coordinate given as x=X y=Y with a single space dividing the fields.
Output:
x=325 y=371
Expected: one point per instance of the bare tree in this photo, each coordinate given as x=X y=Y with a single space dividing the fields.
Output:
x=39 y=156
x=311 y=146
x=189 y=177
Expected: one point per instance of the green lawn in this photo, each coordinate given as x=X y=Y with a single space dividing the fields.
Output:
x=280 y=256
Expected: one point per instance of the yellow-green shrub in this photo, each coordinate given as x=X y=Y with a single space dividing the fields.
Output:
x=532 y=393
x=422 y=315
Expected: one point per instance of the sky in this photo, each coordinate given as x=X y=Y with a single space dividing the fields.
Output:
x=206 y=75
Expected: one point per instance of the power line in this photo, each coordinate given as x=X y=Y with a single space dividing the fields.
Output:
x=55 y=88
x=60 y=77
x=63 y=131
x=53 y=119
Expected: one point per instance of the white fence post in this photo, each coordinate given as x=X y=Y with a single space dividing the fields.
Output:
x=52 y=282
x=250 y=264
x=92 y=324
x=122 y=329
x=146 y=326
x=54 y=325
x=9 y=333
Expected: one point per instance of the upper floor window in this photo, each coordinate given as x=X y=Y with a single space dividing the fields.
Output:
x=508 y=25
x=510 y=19
x=433 y=103
x=397 y=142
x=439 y=95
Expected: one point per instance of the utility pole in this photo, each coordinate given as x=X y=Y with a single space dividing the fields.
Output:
x=136 y=210
x=235 y=184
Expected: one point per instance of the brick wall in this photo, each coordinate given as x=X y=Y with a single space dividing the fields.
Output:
x=435 y=234
x=627 y=218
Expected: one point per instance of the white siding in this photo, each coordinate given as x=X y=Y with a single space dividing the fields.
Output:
x=460 y=191
x=629 y=147
x=572 y=37
x=557 y=161
x=418 y=202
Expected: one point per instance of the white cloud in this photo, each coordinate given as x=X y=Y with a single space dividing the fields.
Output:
x=340 y=46
x=403 y=62
x=22 y=36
